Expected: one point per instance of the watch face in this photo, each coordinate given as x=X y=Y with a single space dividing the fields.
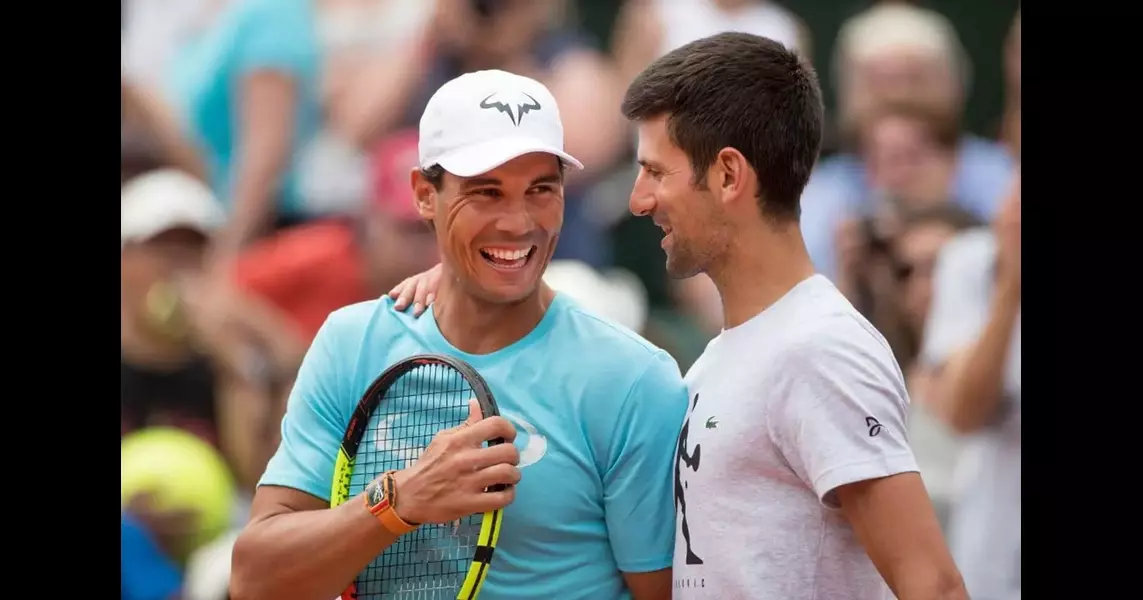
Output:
x=376 y=493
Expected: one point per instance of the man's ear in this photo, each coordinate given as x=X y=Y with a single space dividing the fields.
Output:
x=424 y=195
x=730 y=175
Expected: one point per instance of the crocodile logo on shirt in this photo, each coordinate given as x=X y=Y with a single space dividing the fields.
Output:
x=711 y=423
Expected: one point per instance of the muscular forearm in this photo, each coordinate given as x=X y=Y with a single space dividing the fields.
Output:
x=973 y=382
x=310 y=555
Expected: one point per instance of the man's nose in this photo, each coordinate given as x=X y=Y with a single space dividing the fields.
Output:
x=516 y=219
x=642 y=201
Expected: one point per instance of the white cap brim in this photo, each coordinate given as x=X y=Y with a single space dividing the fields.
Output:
x=163 y=200
x=477 y=159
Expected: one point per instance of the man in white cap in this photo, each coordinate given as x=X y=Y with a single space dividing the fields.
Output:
x=598 y=408
x=166 y=219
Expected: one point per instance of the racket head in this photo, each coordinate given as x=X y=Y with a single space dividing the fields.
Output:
x=393 y=422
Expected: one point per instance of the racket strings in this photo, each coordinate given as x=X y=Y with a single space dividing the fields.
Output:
x=432 y=561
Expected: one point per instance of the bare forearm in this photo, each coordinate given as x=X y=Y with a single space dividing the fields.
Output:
x=310 y=555
x=974 y=383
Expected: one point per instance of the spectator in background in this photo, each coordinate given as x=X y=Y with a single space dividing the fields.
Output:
x=166 y=219
x=247 y=90
x=896 y=52
x=310 y=271
x=910 y=157
x=153 y=33
x=972 y=353
x=912 y=255
x=526 y=37
x=648 y=29
x=166 y=216
x=150 y=137
x=352 y=35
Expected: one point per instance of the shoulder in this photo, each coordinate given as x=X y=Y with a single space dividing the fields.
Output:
x=832 y=337
x=347 y=328
x=615 y=356
x=584 y=327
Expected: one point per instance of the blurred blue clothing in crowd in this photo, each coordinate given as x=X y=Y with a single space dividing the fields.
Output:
x=145 y=572
x=838 y=190
x=206 y=83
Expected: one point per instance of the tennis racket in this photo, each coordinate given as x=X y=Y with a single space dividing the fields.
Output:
x=392 y=425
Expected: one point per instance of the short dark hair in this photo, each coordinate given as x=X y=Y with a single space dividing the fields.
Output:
x=743 y=91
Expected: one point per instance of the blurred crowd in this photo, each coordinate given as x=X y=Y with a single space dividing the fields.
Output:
x=265 y=154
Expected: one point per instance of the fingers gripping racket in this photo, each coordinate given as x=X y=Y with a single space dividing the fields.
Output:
x=392 y=425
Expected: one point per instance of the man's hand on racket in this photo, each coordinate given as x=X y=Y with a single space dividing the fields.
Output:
x=417 y=291
x=449 y=480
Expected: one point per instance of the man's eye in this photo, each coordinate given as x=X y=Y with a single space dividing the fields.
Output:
x=490 y=193
x=542 y=189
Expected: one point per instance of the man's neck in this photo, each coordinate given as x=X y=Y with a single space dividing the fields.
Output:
x=758 y=269
x=477 y=326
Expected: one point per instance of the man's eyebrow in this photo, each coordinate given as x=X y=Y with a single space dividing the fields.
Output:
x=649 y=164
x=472 y=182
x=553 y=178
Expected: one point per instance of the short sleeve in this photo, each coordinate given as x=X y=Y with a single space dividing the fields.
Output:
x=637 y=484
x=842 y=414
x=276 y=35
x=316 y=414
x=961 y=288
x=147 y=574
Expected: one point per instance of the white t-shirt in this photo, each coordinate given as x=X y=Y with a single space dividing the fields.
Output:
x=785 y=408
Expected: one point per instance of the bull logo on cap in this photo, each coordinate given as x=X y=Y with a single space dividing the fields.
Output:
x=521 y=108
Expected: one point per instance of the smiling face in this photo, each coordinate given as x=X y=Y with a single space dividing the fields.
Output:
x=694 y=228
x=497 y=231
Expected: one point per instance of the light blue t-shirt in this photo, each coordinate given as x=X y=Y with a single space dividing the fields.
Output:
x=206 y=74
x=597 y=411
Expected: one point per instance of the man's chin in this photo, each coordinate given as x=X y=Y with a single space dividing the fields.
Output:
x=679 y=269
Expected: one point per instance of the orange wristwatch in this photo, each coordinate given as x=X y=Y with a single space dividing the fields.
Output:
x=381 y=500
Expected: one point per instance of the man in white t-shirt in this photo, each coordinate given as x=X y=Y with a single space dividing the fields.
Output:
x=794 y=478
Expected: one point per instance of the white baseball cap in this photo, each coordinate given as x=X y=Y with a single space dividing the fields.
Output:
x=484 y=119
x=165 y=199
